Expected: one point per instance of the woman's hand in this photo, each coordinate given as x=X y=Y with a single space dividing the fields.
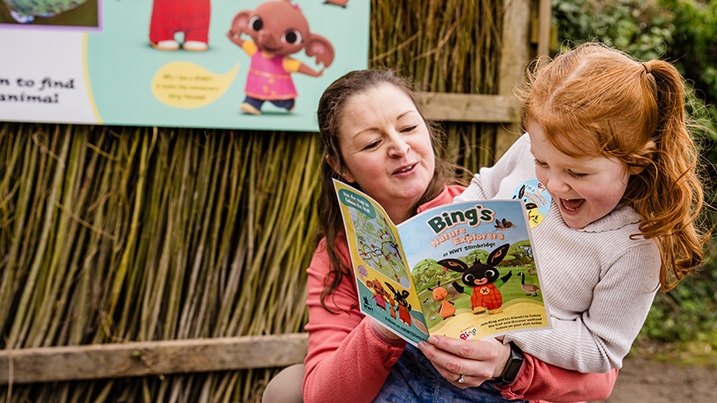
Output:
x=470 y=361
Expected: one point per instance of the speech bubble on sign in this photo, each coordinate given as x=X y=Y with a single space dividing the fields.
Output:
x=188 y=85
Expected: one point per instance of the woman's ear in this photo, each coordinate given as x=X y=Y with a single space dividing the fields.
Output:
x=338 y=169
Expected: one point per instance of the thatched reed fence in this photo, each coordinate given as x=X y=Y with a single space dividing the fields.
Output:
x=168 y=262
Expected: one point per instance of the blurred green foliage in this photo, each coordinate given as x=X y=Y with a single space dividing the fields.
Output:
x=683 y=32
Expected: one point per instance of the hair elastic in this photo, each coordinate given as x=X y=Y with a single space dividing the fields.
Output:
x=648 y=70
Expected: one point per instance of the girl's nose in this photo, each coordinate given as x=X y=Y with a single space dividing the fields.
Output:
x=556 y=184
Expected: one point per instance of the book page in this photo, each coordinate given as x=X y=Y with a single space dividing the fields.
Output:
x=474 y=269
x=383 y=279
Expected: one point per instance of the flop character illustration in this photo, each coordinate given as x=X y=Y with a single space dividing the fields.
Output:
x=441 y=294
x=170 y=17
x=277 y=29
x=482 y=278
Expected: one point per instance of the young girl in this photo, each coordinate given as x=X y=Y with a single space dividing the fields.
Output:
x=609 y=153
x=375 y=138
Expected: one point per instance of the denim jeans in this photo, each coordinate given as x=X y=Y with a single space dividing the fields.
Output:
x=414 y=380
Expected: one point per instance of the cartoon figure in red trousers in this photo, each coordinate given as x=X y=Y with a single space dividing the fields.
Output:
x=172 y=16
x=278 y=29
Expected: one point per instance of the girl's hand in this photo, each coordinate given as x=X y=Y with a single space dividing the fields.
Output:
x=472 y=361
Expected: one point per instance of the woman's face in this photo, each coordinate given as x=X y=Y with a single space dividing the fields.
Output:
x=386 y=148
x=584 y=189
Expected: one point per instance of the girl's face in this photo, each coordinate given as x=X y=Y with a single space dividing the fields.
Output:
x=584 y=189
x=386 y=148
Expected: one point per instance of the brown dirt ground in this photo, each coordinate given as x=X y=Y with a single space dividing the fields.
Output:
x=644 y=379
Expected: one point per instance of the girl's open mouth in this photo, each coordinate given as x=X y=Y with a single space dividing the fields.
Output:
x=572 y=205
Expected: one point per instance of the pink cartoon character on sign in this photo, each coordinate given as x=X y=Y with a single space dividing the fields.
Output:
x=170 y=17
x=278 y=29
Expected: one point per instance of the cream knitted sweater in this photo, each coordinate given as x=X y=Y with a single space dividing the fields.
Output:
x=598 y=283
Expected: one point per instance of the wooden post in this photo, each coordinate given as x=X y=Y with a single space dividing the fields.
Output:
x=544 y=12
x=515 y=54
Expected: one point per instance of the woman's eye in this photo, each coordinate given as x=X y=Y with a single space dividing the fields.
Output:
x=408 y=129
x=371 y=145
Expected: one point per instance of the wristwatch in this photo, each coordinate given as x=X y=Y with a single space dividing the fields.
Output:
x=515 y=361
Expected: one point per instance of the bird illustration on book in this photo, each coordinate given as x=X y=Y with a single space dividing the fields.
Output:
x=503 y=224
x=484 y=278
x=531 y=289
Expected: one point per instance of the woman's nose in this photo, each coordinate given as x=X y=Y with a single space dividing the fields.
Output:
x=399 y=147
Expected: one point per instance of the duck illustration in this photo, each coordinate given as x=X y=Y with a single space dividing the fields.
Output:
x=531 y=289
x=503 y=224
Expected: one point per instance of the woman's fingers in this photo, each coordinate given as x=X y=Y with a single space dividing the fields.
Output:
x=476 y=360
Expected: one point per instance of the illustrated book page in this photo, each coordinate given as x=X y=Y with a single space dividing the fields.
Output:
x=464 y=270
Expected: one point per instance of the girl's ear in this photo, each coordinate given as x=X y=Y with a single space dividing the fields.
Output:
x=337 y=168
x=648 y=151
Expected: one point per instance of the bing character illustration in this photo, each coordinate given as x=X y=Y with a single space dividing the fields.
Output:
x=25 y=11
x=170 y=17
x=441 y=294
x=482 y=278
x=404 y=308
x=277 y=29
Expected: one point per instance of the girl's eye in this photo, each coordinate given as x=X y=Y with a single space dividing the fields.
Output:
x=540 y=164
x=577 y=175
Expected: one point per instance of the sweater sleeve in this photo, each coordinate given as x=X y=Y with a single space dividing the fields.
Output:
x=346 y=356
x=540 y=381
x=487 y=182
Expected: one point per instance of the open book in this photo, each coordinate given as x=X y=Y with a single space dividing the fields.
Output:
x=462 y=270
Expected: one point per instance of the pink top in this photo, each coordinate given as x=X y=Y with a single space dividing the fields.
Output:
x=268 y=79
x=347 y=358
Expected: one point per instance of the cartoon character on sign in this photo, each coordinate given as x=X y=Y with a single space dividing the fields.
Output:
x=278 y=29
x=482 y=278
x=341 y=3
x=172 y=16
x=25 y=11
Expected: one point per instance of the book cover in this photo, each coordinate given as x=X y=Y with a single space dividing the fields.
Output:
x=465 y=270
